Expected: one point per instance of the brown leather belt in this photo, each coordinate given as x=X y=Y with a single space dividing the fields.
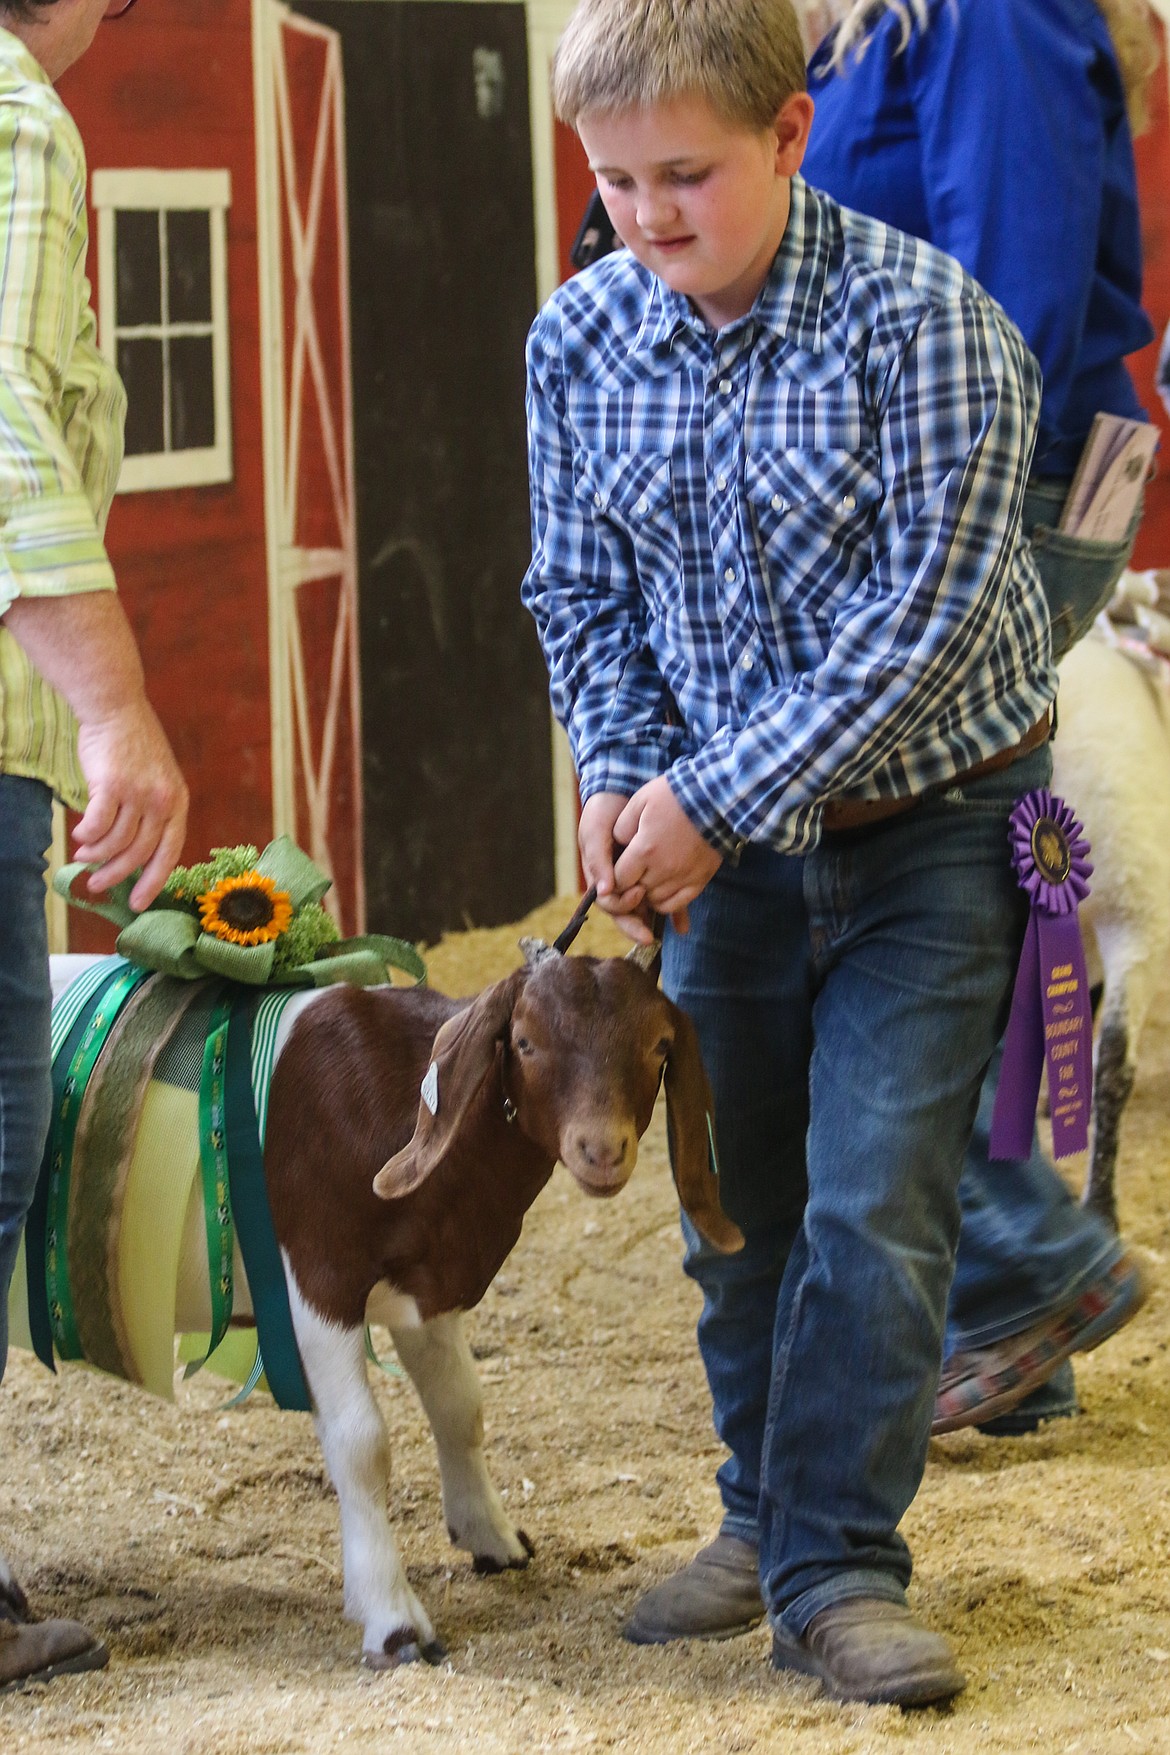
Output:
x=859 y=813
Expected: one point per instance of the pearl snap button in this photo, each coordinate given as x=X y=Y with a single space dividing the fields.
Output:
x=725 y=386
x=721 y=482
x=643 y=506
x=849 y=503
x=777 y=503
x=729 y=574
x=746 y=661
x=597 y=499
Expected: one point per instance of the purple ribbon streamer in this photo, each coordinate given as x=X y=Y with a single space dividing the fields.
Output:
x=1050 y=1019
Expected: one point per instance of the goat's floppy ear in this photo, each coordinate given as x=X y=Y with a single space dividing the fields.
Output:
x=691 y=1129
x=463 y=1056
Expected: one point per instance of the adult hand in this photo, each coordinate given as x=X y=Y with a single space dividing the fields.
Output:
x=137 y=810
x=664 y=855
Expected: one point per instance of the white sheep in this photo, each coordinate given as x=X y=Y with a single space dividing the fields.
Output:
x=1111 y=763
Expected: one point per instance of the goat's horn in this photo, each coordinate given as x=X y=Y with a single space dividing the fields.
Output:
x=537 y=952
x=645 y=956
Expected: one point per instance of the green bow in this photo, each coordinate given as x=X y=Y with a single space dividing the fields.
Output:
x=169 y=937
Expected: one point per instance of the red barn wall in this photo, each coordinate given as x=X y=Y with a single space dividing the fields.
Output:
x=170 y=87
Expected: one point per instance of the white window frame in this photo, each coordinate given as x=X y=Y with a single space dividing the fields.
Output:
x=158 y=191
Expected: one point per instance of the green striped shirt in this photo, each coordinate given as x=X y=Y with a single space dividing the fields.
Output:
x=62 y=407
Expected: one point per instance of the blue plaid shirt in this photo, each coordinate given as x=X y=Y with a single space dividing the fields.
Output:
x=781 y=561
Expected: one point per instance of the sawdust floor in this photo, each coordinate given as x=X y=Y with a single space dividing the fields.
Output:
x=204 y=1544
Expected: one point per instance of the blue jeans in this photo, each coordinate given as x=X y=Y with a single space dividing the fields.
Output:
x=26 y=828
x=1078 y=576
x=1026 y=1246
x=848 y=1004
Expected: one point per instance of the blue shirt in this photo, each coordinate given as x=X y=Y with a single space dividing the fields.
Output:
x=999 y=134
x=781 y=561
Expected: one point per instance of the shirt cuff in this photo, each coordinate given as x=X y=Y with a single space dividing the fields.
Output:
x=50 y=546
x=623 y=768
x=695 y=784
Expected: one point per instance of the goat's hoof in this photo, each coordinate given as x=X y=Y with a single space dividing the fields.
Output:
x=403 y=1647
x=487 y=1563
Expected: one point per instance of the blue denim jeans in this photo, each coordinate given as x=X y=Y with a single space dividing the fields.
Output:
x=26 y=829
x=1078 y=576
x=848 y=1004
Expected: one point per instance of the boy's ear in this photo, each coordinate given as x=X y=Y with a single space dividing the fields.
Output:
x=792 y=125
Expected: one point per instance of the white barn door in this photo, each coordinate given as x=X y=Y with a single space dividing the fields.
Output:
x=308 y=447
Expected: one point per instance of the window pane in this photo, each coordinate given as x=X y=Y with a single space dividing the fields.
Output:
x=192 y=393
x=140 y=362
x=139 y=269
x=189 y=266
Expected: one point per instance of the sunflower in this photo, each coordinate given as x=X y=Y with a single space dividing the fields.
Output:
x=245 y=910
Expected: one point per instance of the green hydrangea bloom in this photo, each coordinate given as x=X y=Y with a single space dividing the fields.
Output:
x=310 y=928
x=188 y=882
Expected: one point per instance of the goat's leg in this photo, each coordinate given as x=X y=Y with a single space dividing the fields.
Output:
x=356 y=1447
x=1133 y=952
x=1112 y=1084
x=439 y=1361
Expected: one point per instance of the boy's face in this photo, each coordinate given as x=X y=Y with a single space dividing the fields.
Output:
x=701 y=202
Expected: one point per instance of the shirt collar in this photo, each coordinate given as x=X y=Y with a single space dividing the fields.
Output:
x=790 y=303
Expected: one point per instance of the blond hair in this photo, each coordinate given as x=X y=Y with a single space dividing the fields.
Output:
x=745 y=57
x=1129 y=22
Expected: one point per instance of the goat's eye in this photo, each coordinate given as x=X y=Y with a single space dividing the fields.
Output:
x=663 y=1047
x=522 y=1045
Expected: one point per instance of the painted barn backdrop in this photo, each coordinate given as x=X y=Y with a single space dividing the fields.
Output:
x=320 y=232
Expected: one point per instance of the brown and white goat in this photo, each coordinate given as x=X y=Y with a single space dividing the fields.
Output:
x=400 y=1211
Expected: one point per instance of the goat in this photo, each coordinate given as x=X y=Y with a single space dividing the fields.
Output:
x=1111 y=762
x=399 y=1209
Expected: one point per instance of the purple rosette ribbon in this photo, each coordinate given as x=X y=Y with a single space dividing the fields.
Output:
x=1051 y=1019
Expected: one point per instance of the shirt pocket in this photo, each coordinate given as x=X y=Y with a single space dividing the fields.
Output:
x=631 y=495
x=811 y=512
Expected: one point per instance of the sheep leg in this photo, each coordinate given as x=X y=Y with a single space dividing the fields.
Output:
x=439 y=1361
x=356 y=1448
x=1112 y=1084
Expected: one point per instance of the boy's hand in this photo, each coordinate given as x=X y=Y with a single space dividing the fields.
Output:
x=665 y=859
x=595 y=840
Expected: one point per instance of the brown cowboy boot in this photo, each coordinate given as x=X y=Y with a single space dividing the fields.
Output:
x=36 y=1651
x=867 y=1648
x=716 y=1595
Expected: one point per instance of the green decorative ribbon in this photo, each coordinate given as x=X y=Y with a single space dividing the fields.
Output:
x=217 y=1206
x=60 y=1158
x=170 y=938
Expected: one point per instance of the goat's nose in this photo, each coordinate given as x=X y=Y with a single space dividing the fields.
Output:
x=602 y=1153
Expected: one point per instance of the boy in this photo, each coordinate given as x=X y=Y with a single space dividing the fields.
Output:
x=777 y=458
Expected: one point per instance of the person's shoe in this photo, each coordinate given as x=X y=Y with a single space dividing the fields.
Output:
x=714 y=1597
x=36 y=1651
x=979 y=1386
x=1054 y=1400
x=13 y=1602
x=866 y=1648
